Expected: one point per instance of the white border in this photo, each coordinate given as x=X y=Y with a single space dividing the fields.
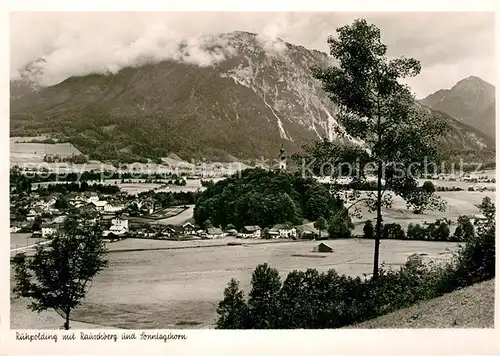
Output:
x=295 y=342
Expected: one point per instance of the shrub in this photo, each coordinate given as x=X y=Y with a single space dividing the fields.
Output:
x=428 y=187
x=464 y=230
x=441 y=232
x=340 y=225
x=393 y=231
x=416 y=232
x=368 y=230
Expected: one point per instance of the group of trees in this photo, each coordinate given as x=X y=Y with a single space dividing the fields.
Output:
x=310 y=299
x=262 y=197
x=75 y=187
x=168 y=199
x=437 y=231
x=76 y=159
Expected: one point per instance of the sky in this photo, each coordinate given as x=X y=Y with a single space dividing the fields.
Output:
x=449 y=46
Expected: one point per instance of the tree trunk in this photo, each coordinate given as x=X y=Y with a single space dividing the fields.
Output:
x=66 y=323
x=378 y=229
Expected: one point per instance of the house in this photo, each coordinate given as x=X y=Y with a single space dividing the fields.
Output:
x=31 y=215
x=252 y=231
x=99 y=205
x=283 y=231
x=112 y=208
x=215 y=233
x=119 y=225
x=147 y=206
x=232 y=232
x=307 y=232
x=322 y=247
x=187 y=228
x=49 y=230
x=170 y=230
x=93 y=198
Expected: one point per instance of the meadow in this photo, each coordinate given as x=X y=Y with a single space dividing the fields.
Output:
x=32 y=153
x=181 y=288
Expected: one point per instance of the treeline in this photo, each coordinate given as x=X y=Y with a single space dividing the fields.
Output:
x=262 y=197
x=168 y=199
x=437 y=231
x=313 y=300
x=75 y=187
x=33 y=177
x=75 y=159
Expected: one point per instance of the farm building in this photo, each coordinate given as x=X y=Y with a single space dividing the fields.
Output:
x=282 y=231
x=307 y=232
x=99 y=205
x=215 y=232
x=187 y=228
x=113 y=208
x=119 y=225
x=251 y=231
x=322 y=247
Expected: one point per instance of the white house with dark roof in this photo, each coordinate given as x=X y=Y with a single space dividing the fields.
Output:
x=283 y=231
x=187 y=228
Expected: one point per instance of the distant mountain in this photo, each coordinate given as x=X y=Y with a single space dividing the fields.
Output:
x=471 y=101
x=246 y=106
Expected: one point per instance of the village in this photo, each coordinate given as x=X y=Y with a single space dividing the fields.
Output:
x=45 y=217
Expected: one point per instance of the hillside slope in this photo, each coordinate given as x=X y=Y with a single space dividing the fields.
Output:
x=471 y=307
x=247 y=106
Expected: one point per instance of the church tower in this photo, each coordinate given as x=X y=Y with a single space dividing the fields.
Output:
x=282 y=159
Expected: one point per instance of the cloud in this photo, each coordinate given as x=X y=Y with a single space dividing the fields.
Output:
x=82 y=45
x=450 y=46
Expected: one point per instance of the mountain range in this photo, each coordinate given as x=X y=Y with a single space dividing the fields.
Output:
x=247 y=105
x=471 y=101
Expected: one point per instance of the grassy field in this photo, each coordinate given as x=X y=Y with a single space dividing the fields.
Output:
x=182 y=288
x=471 y=307
x=24 y=153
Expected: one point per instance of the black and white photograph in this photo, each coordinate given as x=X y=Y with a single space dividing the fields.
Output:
x=251 y=170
